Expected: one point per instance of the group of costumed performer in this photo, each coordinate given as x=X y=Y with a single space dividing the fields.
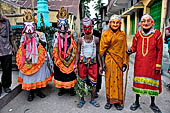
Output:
x=113 y=46
x=148 y=45
x=64 y=53
x=31 y=59
x=86 y=64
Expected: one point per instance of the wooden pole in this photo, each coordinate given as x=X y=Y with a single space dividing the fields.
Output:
x=163 y=15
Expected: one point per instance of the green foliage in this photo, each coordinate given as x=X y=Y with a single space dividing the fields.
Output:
x=97 y=5
x=81 y=88
x=85 y=8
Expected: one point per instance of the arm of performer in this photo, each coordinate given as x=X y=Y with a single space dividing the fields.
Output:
x=79 y=42
x=133 y=47
x=99 y=58
x=159 y=48
x=43 y=40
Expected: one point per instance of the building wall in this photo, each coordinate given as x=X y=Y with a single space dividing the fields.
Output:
x=146 y=9
x=168 y=10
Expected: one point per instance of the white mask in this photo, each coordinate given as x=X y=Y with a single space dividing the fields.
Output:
x=29 y=27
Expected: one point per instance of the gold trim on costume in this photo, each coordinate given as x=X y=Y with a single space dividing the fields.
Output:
x=159 y=37
x=143 y=37
x=158 y=65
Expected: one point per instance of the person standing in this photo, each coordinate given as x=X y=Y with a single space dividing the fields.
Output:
x=64 y=53
x=34 y=74
x=167 y=39
x=148 y=45
x=113 y=46
x=7 y=49
x=86 y=64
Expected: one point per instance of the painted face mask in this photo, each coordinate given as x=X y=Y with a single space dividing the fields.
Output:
x=147 y=22
x=87 y=29
x=115 y=24
x=87 y=25
x=62 y=25
x=29 y=27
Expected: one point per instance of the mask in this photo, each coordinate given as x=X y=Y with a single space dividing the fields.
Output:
x=147 y=23
x=87 y=29
x=62 y=25
x=115 y=24
x=29 y=27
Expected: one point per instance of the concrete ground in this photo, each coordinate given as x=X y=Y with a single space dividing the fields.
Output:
x=14 y=81
x=67 y=104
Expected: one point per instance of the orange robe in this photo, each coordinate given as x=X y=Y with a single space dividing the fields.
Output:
x=114 y=75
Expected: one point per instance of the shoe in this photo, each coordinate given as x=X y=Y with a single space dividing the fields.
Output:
x=108 y=105
x=40 y=94
x=155 y=109
x=30 y=97
x=118 y=107
x=134 y=106
x=81 y=103
x=94 y=103
x=7 y=90
x=168 y=86
x=61 y=92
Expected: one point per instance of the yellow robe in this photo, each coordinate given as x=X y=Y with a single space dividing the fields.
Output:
x=114 y=75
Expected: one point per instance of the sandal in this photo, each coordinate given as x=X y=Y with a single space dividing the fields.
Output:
x=30 y=97
x=155 y=109
x=94 y=103
x=81 y=104
x=108 y=105
x=118 y=106
x=134 y=106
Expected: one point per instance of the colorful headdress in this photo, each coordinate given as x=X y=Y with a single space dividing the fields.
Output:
x=115 y=17
x=62 y=13
x=86 y=21
x=28 y=16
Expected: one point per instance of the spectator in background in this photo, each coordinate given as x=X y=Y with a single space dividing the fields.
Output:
x=7 y=47
x=167 y=38
x=167 y=41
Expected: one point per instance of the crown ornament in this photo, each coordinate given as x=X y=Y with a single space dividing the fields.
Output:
x=28 y=16
x=62 y=13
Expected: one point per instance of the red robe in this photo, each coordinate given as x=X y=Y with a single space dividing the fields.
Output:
x=148 y=58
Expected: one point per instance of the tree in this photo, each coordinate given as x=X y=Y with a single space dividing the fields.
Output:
x=85 y=8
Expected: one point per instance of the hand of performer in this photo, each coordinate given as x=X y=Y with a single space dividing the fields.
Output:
x=129 y=51
x=169 y=50
x=100 y=70
x=124 y=67
x=75 y=69
x=157 y=71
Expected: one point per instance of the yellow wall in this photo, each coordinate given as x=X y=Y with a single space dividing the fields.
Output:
x=122 y=25
x=52 y=16
x=136 y=21
x=128 y=26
